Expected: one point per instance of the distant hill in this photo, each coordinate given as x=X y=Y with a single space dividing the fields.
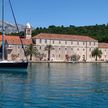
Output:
x=11 y=28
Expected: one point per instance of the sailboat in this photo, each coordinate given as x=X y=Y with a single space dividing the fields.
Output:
x=5 y=64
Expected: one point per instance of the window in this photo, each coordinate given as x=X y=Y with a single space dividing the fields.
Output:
x=40 y=40
x=83 y=49
x=90 y=56
x=65 y=48
x=94 y=43
x=59 y=48
x=83 y=57
x=90 y=49
x=45 y=41
x=65 y=42
x=45 y=55
x=89 y=43
x=40 y=48
x=83 y=43
x=53 y=41
x=10 y=46
x=71 y=48
x=77 y=49
x=59 y=42
x=34 y=41
x=71 y=42
x=53 y=55
x=59 y=55
x=77 y=43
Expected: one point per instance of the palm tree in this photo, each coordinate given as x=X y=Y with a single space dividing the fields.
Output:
x=31 y=50
x=96 y=53
x=49 y=48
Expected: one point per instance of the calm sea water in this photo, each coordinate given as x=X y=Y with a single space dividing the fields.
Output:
x=56 y=86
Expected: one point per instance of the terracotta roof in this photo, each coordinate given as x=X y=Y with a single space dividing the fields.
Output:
x=103 y=45
x=63 y=37
x=7 y=37
x=27 y=41
x=15 y=40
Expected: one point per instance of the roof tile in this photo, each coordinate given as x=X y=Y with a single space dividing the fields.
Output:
x=103 y=45
x=15 y=40
x=63 y=37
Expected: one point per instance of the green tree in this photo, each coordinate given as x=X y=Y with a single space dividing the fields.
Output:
x=98 y=32
x=49 y=48
x=75 y=57
x=96 y=53
x=31 y=50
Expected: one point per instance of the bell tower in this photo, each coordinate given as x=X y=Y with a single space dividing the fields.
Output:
x=28 y=31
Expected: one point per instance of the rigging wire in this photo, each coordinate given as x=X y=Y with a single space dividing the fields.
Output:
x=17 y=27
x=3 y=30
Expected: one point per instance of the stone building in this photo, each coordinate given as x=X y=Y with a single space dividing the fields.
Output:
x=13 y=45
x=66 y=46
x=104 y=48
x=14 y=48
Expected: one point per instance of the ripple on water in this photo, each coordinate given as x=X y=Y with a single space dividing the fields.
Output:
x=56 y=86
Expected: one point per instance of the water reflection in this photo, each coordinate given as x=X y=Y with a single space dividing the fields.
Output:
x=12 y=89
x=56 y=85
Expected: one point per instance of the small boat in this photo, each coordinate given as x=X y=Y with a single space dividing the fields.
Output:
x=10 y=65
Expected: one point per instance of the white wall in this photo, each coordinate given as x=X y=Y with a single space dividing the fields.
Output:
x=81 y=48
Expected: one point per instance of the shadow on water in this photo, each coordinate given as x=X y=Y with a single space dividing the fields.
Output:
x=13 y=72
x=96 y=72
x=48 y=65
x=12 y=86
x=49 y=71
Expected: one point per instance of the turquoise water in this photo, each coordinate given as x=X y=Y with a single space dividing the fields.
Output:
x=56 y=86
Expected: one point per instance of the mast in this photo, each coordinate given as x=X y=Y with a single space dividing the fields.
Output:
x=17 y=27
x=3 y=30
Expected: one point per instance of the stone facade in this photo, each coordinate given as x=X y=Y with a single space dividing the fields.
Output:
x=66 y=46
x=15 y=53
x=104 y=48
x=13 y=47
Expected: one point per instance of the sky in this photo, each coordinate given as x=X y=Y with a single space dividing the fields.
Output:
x=42 y=13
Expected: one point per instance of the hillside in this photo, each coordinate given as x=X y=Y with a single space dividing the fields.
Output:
x=11 y=28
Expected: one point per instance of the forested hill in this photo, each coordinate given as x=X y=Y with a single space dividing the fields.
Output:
x=99 y=32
